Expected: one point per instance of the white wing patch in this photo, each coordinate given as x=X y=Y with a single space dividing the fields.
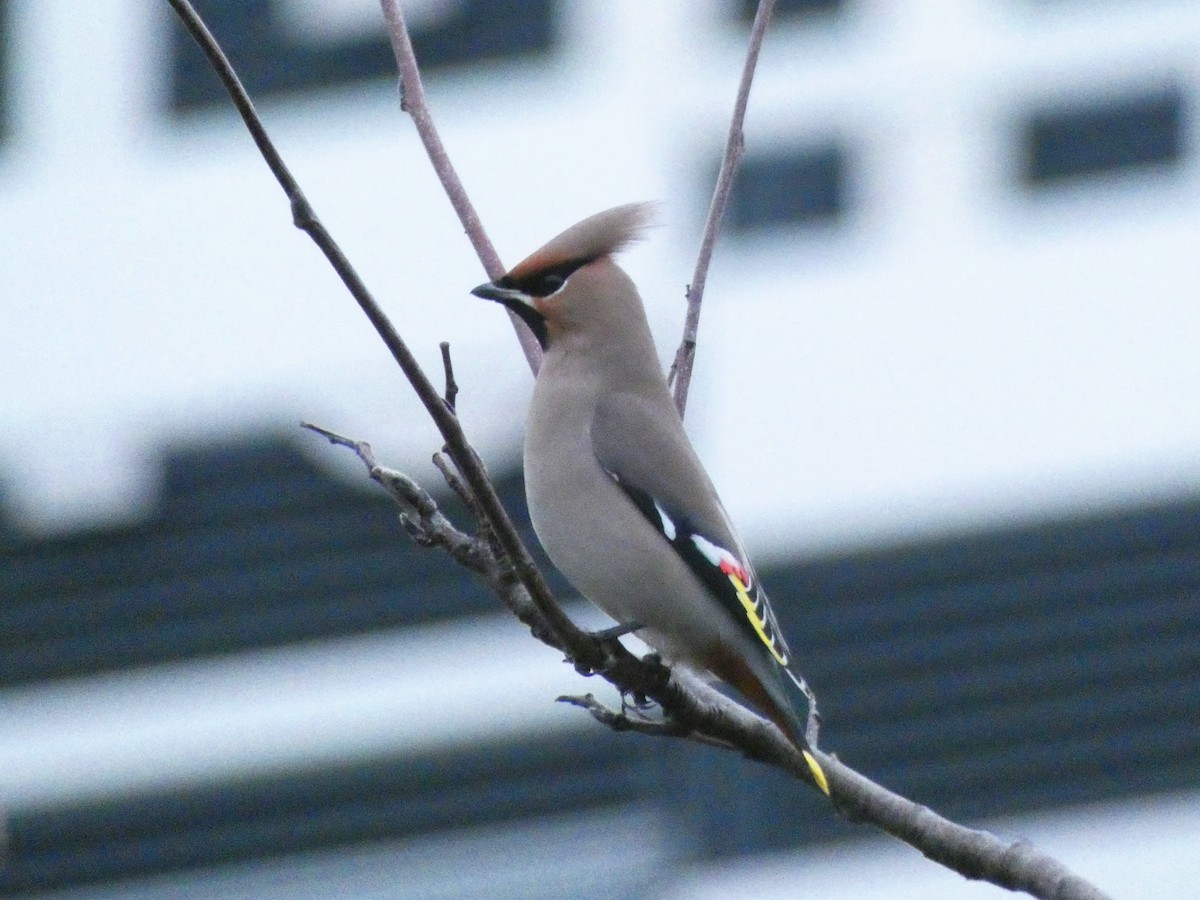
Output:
x=668 y=525
x=710 y=551
x=717 y=567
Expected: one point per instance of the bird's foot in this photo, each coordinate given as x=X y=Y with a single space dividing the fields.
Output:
x=611 y=648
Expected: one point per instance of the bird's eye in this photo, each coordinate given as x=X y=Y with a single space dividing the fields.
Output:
x=548 y=284
x=545 y=281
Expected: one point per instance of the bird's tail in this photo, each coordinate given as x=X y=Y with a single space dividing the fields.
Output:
x=799 y=716
x=787 y=701
x=803 y=731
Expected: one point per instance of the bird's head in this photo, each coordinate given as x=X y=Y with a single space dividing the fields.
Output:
x=572 y=284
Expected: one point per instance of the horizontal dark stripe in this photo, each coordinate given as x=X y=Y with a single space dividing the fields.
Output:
x=986 y=674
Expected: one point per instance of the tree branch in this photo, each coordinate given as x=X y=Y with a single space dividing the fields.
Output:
x=621 y=720
x=680 y=375
x=412 y=101
x=977 y=855
x=695 y=710
x=691 y=707
x=424 y=522
x=305 y=218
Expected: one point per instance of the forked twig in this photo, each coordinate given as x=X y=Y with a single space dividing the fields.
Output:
x=419 y=513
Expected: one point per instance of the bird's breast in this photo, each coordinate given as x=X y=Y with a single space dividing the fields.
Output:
x=602 y=543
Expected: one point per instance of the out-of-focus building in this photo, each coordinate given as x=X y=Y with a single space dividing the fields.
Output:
x=947 y=384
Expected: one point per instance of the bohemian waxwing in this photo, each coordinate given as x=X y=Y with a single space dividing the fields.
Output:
x=616 y=492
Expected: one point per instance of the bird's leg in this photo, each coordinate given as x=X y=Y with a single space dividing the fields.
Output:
x=617 y=631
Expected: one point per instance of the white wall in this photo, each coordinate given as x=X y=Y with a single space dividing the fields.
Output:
x=959 y=354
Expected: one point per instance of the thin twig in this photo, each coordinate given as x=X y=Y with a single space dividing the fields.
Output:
x=456 y=484
x=448 y=367
x=361 y=448
x=620 y=720
x=429 y=527
x=412 y=101
x=681 y=369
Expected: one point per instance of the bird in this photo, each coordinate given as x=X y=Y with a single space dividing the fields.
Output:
x=617 y=495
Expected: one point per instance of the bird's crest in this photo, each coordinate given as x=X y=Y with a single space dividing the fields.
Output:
x=603 y=234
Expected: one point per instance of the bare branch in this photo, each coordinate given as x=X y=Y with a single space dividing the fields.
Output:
x=305 y=218
x=977 y=855
x=412 y=101
x=691 y=706
x=456 y=484
x=424 y=522
x=681 y=369
x=429 y=527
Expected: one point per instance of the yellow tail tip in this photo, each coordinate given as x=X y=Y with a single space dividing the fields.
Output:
x=818 y=773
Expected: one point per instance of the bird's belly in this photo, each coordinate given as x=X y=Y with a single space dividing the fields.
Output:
x=605 y=547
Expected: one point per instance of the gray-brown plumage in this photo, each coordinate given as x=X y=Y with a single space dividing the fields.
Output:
x=618 y=497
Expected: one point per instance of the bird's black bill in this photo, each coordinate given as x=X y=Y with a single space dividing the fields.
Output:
x=519 y=303
x=506 y=295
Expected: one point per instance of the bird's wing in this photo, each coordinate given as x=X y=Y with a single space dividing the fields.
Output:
x=665 y=480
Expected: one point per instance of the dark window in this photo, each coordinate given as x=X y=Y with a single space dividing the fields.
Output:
x=1128 y=132
x=270 y=60
x=250 y=546
x=791 y=8
x=1034 y=667
x=799 y=186
x=324 y=807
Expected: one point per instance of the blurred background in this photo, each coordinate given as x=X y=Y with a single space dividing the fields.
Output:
x=947 y=384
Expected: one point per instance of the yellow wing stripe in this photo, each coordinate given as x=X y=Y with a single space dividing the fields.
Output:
x=817 y=772
x=757 y=620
